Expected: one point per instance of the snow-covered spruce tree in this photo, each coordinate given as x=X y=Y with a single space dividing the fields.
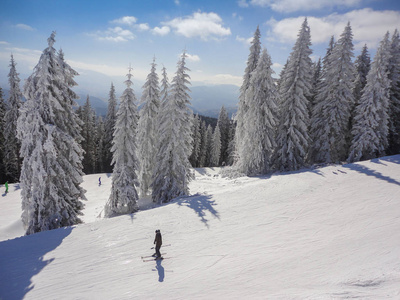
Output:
x=209 y=139
x=12 y=144
x=261 y=120
x=196 y=137
x=317 y=71
x=294 y=93
x=48 y=129
x=333 y=133
x=88 y=118
x=172 y=171
x=100 y=145
x=224 y=125
x=394 y=103
x=231 y=146
x=319 y=93
x=252 y=60
x=2 y=142
x=362 y=65
x=123 y=198
x=203 y=145
x=371 y=120
x=109 y=127
x=147 y=129
x=215 y=148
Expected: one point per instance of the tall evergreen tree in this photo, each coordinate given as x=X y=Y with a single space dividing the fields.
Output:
x=295 y=91
x=261 y=120
x=224 y=126
x=147 y=130
x=172 y=172
x=394 y=103
x=123 y=198
x=88 y=118
x=203 y=145
x=370 y=130
x=2 y=140
x=209 y=139
x=12 y=144
x=100 y=145
x=333 y=132
x=48 y=129
x=109 y=127
x=362 y=65
x=196 y=137
x=215 y=148
x=252 y=60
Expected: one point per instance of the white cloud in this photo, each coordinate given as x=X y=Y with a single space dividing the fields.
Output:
x=368 y=27
x=116 y=34
x=127 y=20
x=244 y=40
x=224 y=79
x=203 y=25
x=26 y=58
x=177 y=2
x=4 y=43
x=24 y=27
x=192 y=57
x=288 y=6
x=161 y=30
x=143 y=27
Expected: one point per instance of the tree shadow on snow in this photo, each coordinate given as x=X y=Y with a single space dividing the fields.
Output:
x=23 y=258
x=200 y=204
x=370 y=172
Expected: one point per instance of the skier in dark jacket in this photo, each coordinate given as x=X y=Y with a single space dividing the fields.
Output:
x=158 y=242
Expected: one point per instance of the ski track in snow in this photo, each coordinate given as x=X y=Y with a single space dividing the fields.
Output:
x=326 y=233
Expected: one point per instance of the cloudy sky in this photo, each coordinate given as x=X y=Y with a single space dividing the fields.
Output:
x=101 y=38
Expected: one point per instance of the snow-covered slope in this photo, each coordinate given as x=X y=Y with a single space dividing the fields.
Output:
x=329 y=233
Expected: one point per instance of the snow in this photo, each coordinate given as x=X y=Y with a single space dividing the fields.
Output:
x=324 y=233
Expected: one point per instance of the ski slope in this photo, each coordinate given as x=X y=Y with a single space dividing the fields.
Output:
x=328 y=233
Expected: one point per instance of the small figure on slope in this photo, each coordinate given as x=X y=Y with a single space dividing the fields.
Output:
x=158 y=243
x=6 y=185
x=99 y=181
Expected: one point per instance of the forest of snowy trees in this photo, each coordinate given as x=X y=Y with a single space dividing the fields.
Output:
x=334 y=110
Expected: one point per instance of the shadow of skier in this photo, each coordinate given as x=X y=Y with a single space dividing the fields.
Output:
x=161 y=271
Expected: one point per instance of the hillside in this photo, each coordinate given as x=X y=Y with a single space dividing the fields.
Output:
x=328 y=233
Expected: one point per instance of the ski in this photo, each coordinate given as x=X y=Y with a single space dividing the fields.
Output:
x=155 y=259
x=148 y=256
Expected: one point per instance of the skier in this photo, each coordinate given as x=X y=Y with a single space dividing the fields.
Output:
x=99 y=181
x=6 y=184
x=158 y=243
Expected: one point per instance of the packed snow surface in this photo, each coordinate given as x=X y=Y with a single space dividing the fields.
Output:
x=325 y=233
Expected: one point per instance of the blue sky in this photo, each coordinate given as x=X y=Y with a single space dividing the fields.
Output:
x=101 y=38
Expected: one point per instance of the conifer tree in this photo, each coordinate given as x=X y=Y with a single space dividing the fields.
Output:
x=88 y=118
x=2 y=140
x=123 y=198
x=370 y=130
x=48 y=129
x=333 y=132
x=109 y=127
x=196 y=136
x=394 y=103
x=362 y=65
x=295 y=91
x=255 y=50
x=172 y=172
x=12 y=145
x=147 y=129
x=203 y=145
x=215 y=148
x=100 y=145
x=224 y=126
x=209 y=139
x=261 y=120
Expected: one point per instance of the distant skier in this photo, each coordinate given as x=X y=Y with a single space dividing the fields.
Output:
x=158 y=243
x=6 y=184
x=99 y=181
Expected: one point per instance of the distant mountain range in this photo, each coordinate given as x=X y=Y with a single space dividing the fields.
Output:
x=206 y=100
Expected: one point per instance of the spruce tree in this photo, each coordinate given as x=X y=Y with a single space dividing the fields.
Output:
x=261 y=120
x=147 y=129
x=12 y=144
x=295 y=91
x=255 y=50
x=370 y=130
x=336 y=106
x=123 y=198
x=394 y=102
x=172 y=172
x=2 y=140
x=100 y=145
x=88 y=118
x=224 y=126
x=48 y=129
x=215 y=148
x=362 y=65
x=203 y=145
x=109 y=127
x=209 y=139
x=196 y=137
